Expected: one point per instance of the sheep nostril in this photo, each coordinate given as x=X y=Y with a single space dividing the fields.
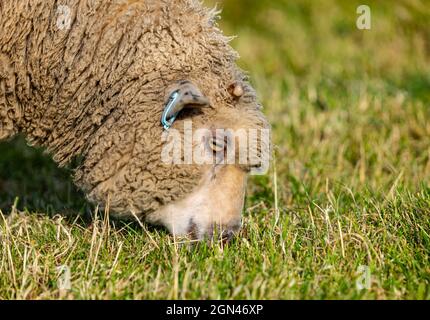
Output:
x=227 y=236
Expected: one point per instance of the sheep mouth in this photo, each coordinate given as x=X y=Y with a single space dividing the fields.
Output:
x=193 y=230
x=214 y=233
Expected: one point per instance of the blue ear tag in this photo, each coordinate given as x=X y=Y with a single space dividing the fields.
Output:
x=167 y=123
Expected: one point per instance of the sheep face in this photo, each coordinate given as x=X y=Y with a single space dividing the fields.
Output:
x=226 y=146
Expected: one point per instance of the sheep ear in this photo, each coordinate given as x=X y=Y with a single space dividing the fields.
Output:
x=184 y=95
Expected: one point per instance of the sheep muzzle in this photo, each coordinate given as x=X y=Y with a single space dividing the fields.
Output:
x=212 y=211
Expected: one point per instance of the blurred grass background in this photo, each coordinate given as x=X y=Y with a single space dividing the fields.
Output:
x=348 y=105
x=349 y=186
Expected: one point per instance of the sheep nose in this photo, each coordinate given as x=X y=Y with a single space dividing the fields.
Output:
x=223 y=234
x=227 y=236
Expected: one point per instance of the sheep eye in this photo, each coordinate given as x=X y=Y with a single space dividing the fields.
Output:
x=217 y=145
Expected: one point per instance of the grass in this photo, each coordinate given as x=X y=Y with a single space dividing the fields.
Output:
x=349 y=186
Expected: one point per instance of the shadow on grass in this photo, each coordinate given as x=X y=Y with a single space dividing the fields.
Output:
x=33 y=180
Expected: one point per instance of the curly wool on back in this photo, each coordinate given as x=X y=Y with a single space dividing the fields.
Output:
x=96 y=90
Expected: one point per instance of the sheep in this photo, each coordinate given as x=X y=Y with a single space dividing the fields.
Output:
x=89 y=80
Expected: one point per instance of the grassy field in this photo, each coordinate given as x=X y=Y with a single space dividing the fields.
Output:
x=347 y=197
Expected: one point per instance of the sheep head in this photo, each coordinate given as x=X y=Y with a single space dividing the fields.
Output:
x=226 y=146
x=189 y=176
